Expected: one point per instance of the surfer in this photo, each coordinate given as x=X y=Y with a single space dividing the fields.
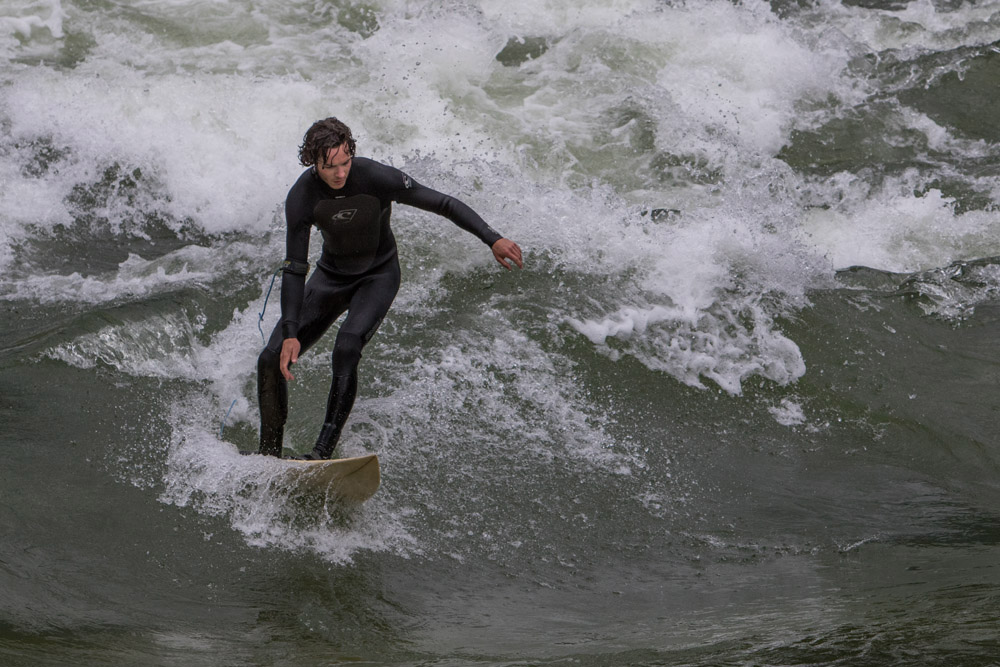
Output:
x=349 y=199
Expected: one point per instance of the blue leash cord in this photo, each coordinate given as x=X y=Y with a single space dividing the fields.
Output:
x=222 y=426
x=260 y=318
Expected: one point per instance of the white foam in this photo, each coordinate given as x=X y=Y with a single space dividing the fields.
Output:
x=740 y=69
x=718 y=347
x=919 y=25
x=516 y=385
x=197 y=142
x=136 y=279
x=897 y=230
x=559 y=153
x=168 y=345
x=788 y=413
x=265 y=505
x=27 y=20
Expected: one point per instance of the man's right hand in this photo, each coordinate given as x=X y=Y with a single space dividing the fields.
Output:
x=290 y=349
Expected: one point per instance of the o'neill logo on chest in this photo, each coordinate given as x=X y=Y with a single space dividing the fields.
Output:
x=344 y=216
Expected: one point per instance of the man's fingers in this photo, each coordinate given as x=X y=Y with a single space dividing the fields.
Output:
x=516 y=256
x=506 y=251
x=289 y=355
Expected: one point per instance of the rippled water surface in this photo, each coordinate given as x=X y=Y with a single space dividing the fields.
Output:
x=738 y=409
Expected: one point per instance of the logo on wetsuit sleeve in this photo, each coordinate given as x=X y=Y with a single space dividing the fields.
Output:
x=344 y=216
x=407 y=183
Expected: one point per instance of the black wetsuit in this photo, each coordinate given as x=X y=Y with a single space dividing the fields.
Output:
x=358 y=272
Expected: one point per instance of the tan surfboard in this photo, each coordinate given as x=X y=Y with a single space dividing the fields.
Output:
x=355 y=479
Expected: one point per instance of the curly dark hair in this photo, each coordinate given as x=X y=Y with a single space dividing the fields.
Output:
x=321 y=137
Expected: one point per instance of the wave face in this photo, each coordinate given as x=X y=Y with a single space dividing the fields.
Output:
x=737 y=408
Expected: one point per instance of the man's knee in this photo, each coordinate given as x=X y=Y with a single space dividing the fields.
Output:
x=347 y=353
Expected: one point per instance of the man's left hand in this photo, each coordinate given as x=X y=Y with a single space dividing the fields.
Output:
x=506 y=251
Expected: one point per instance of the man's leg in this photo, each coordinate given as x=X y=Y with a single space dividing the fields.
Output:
x=368 y=307
x=322 y=304
x=343 y=389
x=272 y=396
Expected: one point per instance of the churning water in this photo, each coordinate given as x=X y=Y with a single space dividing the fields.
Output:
x=739 y=408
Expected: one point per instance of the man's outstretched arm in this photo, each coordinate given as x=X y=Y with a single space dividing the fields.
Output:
x=506 y=251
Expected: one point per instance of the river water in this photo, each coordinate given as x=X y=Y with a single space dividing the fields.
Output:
x=739 y=408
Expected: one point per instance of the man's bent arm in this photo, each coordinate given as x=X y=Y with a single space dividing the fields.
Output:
x=458 y=212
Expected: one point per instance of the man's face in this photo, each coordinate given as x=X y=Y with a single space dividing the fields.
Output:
x=334 y=169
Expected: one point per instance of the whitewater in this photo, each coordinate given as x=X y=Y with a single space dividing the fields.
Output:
x=736 y=409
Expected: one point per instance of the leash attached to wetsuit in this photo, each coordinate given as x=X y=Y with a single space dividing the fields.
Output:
x=288 y=266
